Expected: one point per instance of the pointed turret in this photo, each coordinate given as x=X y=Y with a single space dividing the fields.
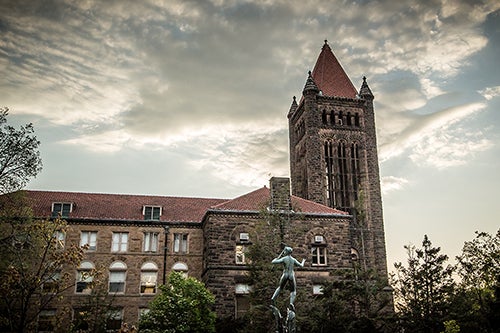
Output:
x=293 y=107
x=330 y=77
x=365 y=91
x=310 y=85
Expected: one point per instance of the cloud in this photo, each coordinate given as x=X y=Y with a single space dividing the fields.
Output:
x=435 y=128
x=241 y=155
x=170 y=74
x=104 y=60
x=391 y=183
x=448 y=149
x=490 y=92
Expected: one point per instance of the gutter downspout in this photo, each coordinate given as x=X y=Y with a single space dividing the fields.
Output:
x=165 y=248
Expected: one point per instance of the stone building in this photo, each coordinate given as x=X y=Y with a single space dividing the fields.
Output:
x=138 y=239
x=333 y=153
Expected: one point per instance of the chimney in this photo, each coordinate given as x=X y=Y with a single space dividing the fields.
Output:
x=280 y=193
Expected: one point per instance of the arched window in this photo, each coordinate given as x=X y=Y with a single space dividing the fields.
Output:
x=117 y=277
x=181 y=268
x=343 y=177
x=354 y=254
x=355 y=170
x=84 y=277
x=329 y=176
x=149 y=276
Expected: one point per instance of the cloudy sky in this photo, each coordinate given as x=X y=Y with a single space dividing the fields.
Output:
x=189 y=98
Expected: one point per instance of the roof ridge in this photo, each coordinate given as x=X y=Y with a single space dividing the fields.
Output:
x=124 y=194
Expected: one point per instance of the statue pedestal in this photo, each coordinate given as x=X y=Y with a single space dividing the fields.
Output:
x=284 y=324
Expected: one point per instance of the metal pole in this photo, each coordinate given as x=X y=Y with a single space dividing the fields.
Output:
x=165 y=248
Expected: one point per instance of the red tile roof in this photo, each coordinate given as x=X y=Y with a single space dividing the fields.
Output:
x=258 y=199
x=330 y=77
x=122 y=206
x=127 y=207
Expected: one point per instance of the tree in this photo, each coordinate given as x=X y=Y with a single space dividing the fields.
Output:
x=271 y=230
x=97 y=307
x=33 y=265
x=475 y=304
x=353 y=302
x=19 y=156
x=423 y=288
x=184 y=305
x=479 y=263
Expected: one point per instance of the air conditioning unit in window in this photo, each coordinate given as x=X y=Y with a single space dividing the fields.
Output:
x=318 y=239
x=244 y=237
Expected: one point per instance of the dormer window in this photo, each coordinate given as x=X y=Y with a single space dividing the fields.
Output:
x=151 y=212
x=61 y=209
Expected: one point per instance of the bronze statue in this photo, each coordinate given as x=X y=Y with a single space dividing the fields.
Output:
x=288 y=276
x=286 y=324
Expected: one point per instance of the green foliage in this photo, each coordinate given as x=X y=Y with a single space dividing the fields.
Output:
x=31 y=264
x=423 y=288
x=264 y=276
x=479 y=263
x=451 y=326
x=19 y=156
x=475 y=304
x=184 y=305
x=354 y=301
x=96 y=308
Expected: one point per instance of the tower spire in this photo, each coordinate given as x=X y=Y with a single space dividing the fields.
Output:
x=330 y=77
x=310 y=84
x=364 y=91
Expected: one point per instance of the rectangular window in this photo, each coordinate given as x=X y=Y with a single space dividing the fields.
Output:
x=120 y=240
x=46 y=321
x=318 y=255
x=51 y=284
x=143 y=311
x=114 y=320
x=151 y=212
x=150 y=242
x=59 y=237
x=239 y=257
x=242 y=300
x=180 y=243
x=89 y=238
x=117 y=281
x=242 y=305
x=81 y=318
x=61 y=209
x=83 y=282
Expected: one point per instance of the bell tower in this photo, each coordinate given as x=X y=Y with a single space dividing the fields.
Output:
x=333 y=153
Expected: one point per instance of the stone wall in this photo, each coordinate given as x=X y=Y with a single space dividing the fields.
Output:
x=222 y=229
x=131 y=301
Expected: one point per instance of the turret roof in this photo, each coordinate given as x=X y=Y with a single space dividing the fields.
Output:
x=330 y=77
